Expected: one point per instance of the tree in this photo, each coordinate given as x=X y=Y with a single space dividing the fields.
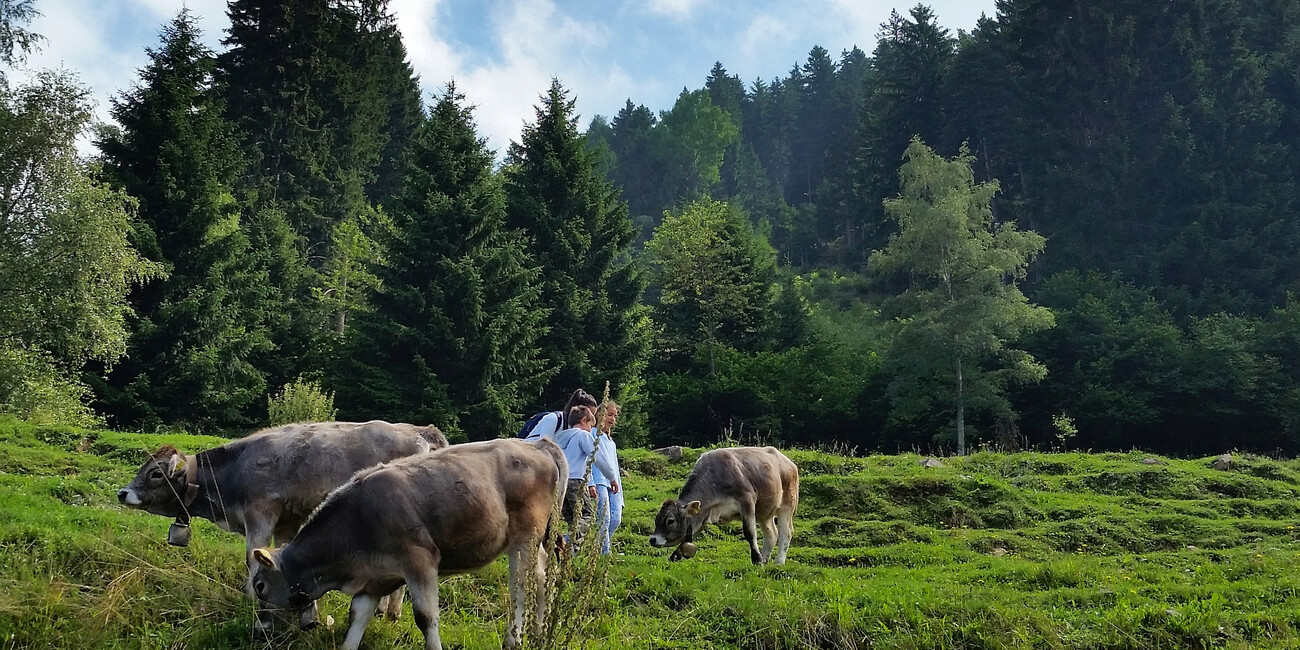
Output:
x=714 y=277
x=962 y=311
x=195 y=332
x=581 y=238
x=66 y=264
x=452 y=335
x=15 y=40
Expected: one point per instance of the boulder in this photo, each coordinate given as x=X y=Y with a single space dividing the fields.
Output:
x=930 y=462
x=1223 y=462
x=1152 y=461
x=674 y=453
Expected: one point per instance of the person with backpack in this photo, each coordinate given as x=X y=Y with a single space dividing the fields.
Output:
x=553 y=422
x=579 y=447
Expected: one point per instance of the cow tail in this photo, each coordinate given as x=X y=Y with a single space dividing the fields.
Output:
x=561 y=481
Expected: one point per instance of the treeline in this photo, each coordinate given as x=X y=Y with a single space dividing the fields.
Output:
x=1152 y=144
x=1073 y=226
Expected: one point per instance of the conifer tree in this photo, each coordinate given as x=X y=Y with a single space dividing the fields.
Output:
x=188 y=354
x=581 y=237
x=451 y=338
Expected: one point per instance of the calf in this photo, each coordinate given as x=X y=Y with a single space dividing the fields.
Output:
x=414 y=519
x=757 y=484
x=265 y=486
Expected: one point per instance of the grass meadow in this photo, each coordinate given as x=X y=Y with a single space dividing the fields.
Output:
x=1027 y=550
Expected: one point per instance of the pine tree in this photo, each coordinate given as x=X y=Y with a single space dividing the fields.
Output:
x=452 y=336
x=188 y=355
x=581 y=237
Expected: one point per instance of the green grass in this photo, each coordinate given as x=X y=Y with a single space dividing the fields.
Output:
x=1026 y=550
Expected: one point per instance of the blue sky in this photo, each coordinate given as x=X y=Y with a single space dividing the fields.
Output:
x=503 y=53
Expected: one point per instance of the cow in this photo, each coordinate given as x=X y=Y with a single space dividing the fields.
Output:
x=757 y=484
x=264 y=486
x=414 y=519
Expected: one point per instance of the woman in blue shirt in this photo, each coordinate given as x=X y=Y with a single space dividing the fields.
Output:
x=607 y=488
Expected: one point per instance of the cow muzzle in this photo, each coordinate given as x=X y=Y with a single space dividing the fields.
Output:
x=128 y=497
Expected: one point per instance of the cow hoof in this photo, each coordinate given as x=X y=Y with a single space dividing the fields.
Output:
x=309 y=625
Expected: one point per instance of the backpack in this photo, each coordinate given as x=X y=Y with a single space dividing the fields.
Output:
x=532 y=423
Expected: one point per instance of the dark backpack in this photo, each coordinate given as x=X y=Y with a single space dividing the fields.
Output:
x=532 y=423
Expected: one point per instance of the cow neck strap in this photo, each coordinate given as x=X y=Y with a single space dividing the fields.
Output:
x=191 y=490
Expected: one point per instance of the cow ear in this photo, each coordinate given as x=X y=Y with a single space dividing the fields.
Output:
x=177 y=464
x=264 y=558
x=693 y=508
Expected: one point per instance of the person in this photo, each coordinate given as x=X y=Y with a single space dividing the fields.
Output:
x=579 y=446
x=607 y=489
x=557 y=421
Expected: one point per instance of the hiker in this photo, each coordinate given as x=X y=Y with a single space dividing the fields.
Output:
x=579 y=446
x=553 y=422
x=607 y=489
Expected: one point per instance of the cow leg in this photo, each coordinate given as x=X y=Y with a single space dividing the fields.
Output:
x=391 y=605
x=360 y=612
x=784 y=531
x=751 y=533
x=518 y=557
x=769 y=537
x=422 y=584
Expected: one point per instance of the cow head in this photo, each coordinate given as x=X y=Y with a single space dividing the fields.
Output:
x=162 y=486
x=273 y=588
x=673 y=527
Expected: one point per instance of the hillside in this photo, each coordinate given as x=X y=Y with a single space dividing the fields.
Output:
x=1028 y=550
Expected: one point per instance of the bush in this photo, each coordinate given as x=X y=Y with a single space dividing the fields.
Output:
x=32 y=388
x=300 y=400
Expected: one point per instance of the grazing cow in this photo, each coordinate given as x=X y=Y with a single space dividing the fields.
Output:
x=416 y=518
x=265 y=486
x=757 y=484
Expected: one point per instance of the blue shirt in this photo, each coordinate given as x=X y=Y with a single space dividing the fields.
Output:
x=579 y=446
x=606 y=451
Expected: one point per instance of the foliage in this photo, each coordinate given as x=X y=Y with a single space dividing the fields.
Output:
x=301 y=400
x=581 y=238
x=195 y=333
x=713 y=276
x=15 y=40
x=452 y=336
x=67 y=263
x=962 y=308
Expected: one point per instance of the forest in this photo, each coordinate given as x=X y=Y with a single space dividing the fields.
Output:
x=1074 y=226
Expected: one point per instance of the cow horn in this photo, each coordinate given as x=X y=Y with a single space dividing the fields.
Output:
x=264 y=558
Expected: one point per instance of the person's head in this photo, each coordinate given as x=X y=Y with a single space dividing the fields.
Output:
x=608 y=416
x=581 y=416
x=578 y=398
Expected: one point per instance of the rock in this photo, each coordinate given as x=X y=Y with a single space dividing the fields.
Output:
x=674 y=453
x=930 y=462
x=998 y=551
x=1152 y=461
x=1223 y=462
x=1191 y=548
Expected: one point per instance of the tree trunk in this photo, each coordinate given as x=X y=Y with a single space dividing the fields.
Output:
x=961 y=413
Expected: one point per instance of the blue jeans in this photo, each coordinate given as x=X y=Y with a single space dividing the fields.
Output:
x=609 y=514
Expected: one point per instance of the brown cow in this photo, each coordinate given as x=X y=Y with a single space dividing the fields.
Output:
x=756 y=484
x=265 y=486
x=417 y=518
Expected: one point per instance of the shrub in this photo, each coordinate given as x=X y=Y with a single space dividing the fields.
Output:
x=33 y=388
x=301 y=400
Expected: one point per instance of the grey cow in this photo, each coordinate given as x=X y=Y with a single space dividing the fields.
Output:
x=266 y=485
x=758 y=485
x=415 y=519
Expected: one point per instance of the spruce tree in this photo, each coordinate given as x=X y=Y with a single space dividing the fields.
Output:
x=581 y=236
x=452 y=335
x=188 y=355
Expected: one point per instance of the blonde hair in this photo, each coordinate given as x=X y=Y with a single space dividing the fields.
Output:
x=609 y=405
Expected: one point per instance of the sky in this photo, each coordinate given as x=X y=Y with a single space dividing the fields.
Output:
x=502 y=54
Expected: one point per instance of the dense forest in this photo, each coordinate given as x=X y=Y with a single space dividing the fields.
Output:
x=1073 y=226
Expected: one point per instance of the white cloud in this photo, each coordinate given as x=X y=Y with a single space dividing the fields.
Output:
x=676 y=8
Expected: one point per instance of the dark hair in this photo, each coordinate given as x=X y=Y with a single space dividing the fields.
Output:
x=578 y=398
x=578 y=413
